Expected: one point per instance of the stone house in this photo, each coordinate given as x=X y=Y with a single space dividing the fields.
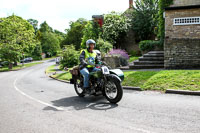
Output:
x=182 y=35
x=129 y=43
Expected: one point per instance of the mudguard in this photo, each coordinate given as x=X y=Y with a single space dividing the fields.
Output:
x=113 y=75
x=119 y=73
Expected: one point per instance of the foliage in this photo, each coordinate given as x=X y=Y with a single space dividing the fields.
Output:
x=50 y=44
x=103 y=46
x=148 y=45
x=161 y=28
x=133 y=58
x=144 y=19
x=59 y=35
x=90 y=31
x=135 y=53
x=44 y=27
x=16 y=37
x=70 y=57
x=115 y=27
x=36 y=54
x=75 y=33
x=34 y=23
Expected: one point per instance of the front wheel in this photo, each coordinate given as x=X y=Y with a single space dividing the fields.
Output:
x=113 y=89
x=78 y=86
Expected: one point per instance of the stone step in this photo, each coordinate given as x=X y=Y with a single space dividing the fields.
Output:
x=153 y=55
x=156 y=52
x=151 y=58
x=147 y=62
x=145 y=66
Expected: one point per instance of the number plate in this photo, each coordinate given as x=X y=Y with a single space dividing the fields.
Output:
x=105 y=70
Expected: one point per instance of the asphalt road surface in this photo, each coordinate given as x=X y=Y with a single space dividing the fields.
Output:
x=31 y=102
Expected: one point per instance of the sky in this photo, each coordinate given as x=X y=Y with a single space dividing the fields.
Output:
x=58 y=13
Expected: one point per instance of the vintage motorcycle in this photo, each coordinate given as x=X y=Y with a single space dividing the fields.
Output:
x=106 y=82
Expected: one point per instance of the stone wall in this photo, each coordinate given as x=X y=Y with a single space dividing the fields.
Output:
x=129 y=44
x=182 y=42
x=182 y=53
x=185 y=2
x=181 y=31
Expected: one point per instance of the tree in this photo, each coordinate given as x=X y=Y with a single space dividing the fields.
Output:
x=59 y=35
x=90 y=31
x=75 y=33
x=34 y=23
x=115 y=27
x=50 y=44
x=44 y=27
x=36 y=54
x=145 y=19
x=16 y=37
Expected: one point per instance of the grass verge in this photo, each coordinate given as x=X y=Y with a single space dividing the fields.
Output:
x=19 y=66
x=152 y=80
x=163 y=80
x=51 y=69
x=61 y=76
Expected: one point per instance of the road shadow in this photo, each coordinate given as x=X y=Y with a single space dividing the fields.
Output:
x=78 y=103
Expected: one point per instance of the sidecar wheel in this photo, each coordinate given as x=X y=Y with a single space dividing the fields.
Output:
x=113 y=89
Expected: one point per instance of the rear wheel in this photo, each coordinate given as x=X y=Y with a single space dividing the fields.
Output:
x=113 y=89
x=78 y=86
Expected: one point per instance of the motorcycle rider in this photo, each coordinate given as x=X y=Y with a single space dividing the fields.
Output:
x=88 y=59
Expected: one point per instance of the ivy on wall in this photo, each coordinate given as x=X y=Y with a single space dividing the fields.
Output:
x=162 y=5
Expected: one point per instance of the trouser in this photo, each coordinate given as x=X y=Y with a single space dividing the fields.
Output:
x=85 y=72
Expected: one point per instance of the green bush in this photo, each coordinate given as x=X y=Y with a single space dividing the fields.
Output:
x=70 y=57
x=149 y=45
x=135 y=53
x=103 y=46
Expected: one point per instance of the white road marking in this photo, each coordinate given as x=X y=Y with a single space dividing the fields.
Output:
x=39 y=101
x=61 y=109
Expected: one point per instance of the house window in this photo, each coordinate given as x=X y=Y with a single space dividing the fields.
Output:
x=187 y=21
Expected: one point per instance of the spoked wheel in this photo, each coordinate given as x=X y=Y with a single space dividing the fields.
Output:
x=113 y=89
x=78 y=85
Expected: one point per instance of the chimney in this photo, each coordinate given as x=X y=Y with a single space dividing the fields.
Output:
x=130 y=3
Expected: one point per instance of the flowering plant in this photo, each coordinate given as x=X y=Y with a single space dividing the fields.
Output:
x=119 y=52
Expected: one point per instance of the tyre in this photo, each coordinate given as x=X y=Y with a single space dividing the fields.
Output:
x=113 y=89
x=78 y=86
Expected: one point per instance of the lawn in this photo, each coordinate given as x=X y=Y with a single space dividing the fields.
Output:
x=162 y=80
x=19 y=66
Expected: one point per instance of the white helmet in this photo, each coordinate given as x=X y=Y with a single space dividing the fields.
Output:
x=90 y=41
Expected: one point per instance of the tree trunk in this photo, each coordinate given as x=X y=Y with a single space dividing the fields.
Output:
x=10 y=66
x=15 y=63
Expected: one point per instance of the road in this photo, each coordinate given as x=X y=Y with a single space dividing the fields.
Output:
x=31 y=102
